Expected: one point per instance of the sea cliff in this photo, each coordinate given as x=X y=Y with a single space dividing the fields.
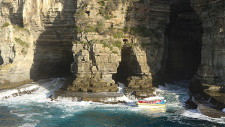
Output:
x=98 y=43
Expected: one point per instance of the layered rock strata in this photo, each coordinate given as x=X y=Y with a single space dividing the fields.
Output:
x=147 y=21
x=210 y=76
x=53 y=53
x=114 y=40
x=212 y=16
x=38 y=44
x=126 y=25
x=94 y=67
x=16 y=50
x=183 y=41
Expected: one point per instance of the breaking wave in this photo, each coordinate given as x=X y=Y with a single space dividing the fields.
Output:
x=37 y=109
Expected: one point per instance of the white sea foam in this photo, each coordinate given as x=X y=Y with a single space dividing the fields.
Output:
x=30 y=122
x=174 y=94
x=179 y=95
x=28 y=125
x=223 y=110
x=166 y=91
x=6 y=93
x=121 y=88
x=9 y=93
x=197 y=115
x=42 y=94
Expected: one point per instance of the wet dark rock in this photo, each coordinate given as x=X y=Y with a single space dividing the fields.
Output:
x=207 y=108
x=104 y=97
x=190 y=104
x=8 y=85
x=140 y=93
x=217 y=98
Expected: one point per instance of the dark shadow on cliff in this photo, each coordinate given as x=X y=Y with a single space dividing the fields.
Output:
x=1 y=60
x=128 y=66
x=183 y=38
x=53 y=54
x=147 y=21
x=175 y=34
x=16 y=18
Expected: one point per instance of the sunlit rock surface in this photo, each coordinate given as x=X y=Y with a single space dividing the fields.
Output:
x=100 y=43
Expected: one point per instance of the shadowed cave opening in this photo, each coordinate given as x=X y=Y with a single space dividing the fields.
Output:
x=128 y=66
x=183 y=38
x=53 y=54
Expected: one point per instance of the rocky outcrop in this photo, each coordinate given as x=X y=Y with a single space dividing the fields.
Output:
x=103 y=97
x=16 y=46
x=18 y=91
x=102 y=42
x=94 y=67
x=147 y=21
x=211 y=14
x=210 y=75
x=103 y=28
x=125 y=25
x=135 y=72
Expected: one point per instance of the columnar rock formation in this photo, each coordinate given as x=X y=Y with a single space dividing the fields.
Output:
x=147 y=21
x=94 y=67
x=127 y=25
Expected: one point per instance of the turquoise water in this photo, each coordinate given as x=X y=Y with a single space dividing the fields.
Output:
x=37 y=110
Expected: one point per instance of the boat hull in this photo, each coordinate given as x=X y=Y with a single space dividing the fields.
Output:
x=144 y=104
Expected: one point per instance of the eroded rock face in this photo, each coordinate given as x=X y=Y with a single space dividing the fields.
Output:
x=39 y=43
x=210 y=77
x=53 y=22
x=118 y=24
x=46 y=28
x=212 y=16
x=183 y=40
x=135 y=72
x=93 y=67
x=16 y=47
x=149 y=18
x=134 y=28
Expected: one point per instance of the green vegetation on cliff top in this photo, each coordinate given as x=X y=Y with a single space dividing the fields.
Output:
x=105 y=43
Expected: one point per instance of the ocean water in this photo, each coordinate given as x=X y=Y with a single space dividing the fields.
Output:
x=37 y=110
